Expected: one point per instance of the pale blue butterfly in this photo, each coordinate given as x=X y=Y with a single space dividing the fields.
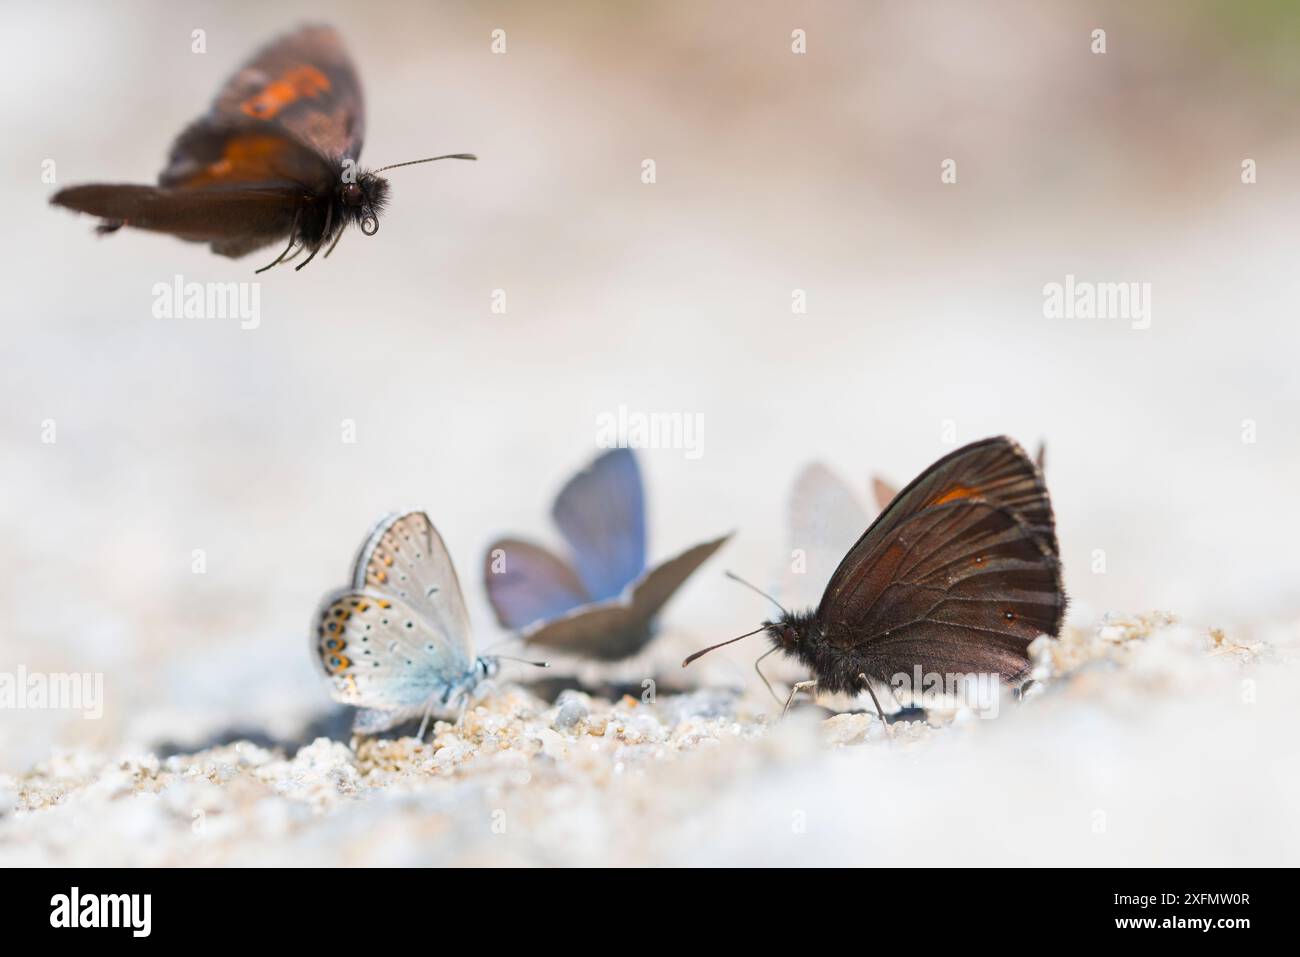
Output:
x=396 y=643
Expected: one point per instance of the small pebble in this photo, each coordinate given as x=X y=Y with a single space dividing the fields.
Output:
x=572 y=709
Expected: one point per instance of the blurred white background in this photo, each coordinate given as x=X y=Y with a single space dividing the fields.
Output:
x=775 y=172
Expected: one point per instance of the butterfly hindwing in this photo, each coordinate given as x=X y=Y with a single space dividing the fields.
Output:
x=601 y=513
x=658 y=585
x=604 y=631
x=970 y=586
x=620 y=627
x=381 y=654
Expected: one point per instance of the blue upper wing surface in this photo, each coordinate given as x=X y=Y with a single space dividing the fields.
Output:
x=526 y=583
x=601 y=513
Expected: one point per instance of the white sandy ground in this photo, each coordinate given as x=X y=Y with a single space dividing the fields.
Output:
x=1143 y=742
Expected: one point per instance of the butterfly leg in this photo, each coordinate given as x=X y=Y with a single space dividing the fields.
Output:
x=767 y=684
x=333 y=244
x=879 y=711
x=293 y=233
x=276 y=261
x=794 y=690
x=329 y=218
x=428 y=713
x=314 y=251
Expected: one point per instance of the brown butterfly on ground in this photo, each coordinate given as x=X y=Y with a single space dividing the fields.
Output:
x=275 y=157
x=958 y=574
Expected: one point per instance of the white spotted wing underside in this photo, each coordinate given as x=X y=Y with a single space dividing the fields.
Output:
x=397 y=642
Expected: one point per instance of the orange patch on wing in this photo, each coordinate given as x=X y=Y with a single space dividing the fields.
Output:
x=292 y=86
x=953 y=494
x=246 y=159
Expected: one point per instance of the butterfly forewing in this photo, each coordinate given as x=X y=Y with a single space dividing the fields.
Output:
x=601 y=513
x=295 y=109
x=525 y=583
x=249 y=217
x=961 y=569
x=884 y=491
x=404 y=557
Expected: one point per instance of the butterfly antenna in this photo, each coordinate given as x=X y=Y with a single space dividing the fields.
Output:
x=524 y=661
x=449 y=156
x=736 y=578
x=705 y=651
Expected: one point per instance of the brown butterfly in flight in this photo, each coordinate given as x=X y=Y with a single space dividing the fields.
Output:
x=957 y=575
x=275 y=157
